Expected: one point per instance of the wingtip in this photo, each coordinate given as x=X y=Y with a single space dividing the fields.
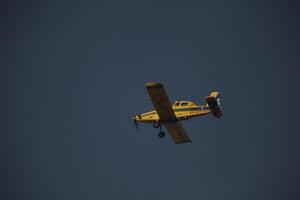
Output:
x=183 y=142
x=153 y=84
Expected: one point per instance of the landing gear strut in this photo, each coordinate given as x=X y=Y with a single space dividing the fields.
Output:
x=161 y=134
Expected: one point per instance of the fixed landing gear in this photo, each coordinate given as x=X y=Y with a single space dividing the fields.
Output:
x=156 y=125
x=161 y=134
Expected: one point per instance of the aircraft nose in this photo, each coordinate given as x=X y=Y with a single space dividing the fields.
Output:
x=137 y=117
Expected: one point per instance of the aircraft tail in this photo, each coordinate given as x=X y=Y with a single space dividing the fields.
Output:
x=214 y=103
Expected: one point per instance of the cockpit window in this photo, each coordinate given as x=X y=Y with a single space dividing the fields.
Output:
x=176 y=104
x=184 y=103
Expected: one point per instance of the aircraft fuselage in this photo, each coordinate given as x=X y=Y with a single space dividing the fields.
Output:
x=182 y=112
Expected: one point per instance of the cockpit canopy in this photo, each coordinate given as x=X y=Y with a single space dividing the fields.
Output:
x=183 y=103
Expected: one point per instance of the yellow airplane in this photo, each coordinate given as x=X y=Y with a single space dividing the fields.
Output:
x=169 y=115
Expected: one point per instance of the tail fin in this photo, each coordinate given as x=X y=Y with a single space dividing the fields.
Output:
x=214 y=103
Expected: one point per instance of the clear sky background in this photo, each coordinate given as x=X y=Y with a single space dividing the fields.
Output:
x=72 y=75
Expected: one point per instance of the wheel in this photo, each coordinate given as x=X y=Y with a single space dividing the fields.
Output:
x=156 y=125
x=161 y=134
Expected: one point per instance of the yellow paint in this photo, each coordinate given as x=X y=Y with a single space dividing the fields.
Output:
x=183 y=110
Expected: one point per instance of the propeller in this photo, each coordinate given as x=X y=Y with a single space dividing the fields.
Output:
x=135 y=123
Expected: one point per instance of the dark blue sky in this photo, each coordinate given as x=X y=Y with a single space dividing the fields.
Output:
x=72 y=74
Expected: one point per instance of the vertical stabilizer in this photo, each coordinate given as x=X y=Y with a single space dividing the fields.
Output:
x=214 y=103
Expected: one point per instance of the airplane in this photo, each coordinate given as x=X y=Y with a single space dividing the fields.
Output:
x=169 y=116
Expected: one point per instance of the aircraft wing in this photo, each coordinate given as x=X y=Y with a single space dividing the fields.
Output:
x=161 y=101
x=177 y=133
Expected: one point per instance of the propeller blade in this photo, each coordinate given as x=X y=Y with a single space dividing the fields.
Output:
x=135 y=123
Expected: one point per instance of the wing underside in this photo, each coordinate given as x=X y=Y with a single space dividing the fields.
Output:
x=161 y=102
x=177 y=133
x=165 y=112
